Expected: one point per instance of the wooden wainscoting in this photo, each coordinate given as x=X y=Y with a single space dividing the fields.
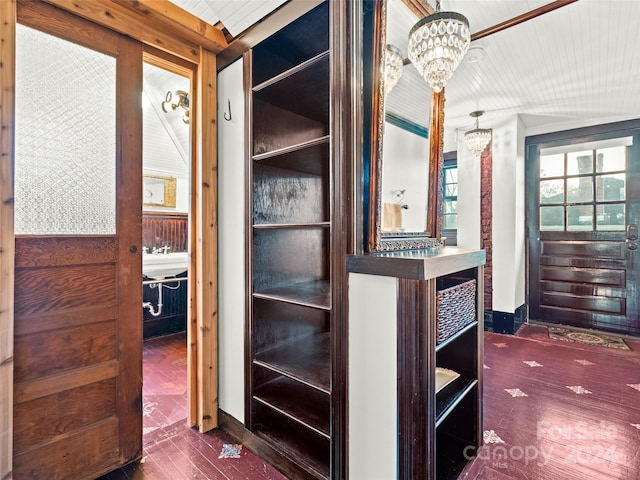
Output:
x=161 y=229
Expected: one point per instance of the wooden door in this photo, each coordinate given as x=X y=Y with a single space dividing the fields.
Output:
x=583 y=212
x=78 y=290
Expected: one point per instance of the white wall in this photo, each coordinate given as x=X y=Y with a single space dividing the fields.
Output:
x=373 y=404
x=231 y=237
x=508 y=214
x=406 y=167
x=468 y=197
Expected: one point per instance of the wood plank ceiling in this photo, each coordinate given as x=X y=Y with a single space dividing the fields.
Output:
x=574 y=66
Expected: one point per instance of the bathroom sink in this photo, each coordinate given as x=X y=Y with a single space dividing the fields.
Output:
x=164 y=265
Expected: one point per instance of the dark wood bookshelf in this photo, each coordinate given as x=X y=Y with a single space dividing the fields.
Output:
x=300 y=444
x=303 y=359
x=310 y=294
x=291 y=229
x=293 y=225
x=289 y=397
x=447 y=398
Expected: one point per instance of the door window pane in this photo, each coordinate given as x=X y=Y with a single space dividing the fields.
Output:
x=580 y=217
x=611 y=159
x=610 y=217
x=579 y=163
x=552 y=191
x=580 y=189
x=610 y=188
x=551 y=218
x=65 y=137
x=552 y=166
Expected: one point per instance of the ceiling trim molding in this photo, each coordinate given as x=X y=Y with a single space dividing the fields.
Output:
x=512 y=22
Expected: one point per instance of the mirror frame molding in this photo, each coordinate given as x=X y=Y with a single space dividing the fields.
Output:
x=376 y=241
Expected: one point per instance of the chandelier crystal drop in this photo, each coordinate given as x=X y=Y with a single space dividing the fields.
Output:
x=437 y=44
x=393 y=65
x=477 y=139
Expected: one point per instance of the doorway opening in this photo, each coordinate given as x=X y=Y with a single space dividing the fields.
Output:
x=166 y=105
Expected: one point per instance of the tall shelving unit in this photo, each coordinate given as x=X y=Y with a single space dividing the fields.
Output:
x=290 y=227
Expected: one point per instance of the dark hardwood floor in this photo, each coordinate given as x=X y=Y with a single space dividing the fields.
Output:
x=172 y=450
x=553 y=410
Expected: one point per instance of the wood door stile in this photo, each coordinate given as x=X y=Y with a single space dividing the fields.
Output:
x=78 y=329
x=7 y=243
x=206 y=236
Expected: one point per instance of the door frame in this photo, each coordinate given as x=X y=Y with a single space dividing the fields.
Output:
x=203 y=321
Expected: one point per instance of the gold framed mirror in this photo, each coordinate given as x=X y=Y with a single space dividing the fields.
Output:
x=158 y=191
x=405 y=137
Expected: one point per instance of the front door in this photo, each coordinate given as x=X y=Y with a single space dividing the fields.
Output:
x=78 y=291
x=583 y=216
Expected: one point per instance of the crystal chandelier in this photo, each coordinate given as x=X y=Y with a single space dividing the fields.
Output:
x=392 y=67
x=477 y=139
x=437 y=44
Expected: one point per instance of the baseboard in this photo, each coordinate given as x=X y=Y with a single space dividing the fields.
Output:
x=262 y=448
x=504 y=322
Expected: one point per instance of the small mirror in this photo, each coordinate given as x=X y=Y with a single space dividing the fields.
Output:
x=404 y=173
x=159 y=191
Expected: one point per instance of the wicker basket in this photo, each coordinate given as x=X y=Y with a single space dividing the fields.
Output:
x=455 y=305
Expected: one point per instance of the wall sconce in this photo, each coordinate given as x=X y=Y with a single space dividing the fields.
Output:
x=181 y=100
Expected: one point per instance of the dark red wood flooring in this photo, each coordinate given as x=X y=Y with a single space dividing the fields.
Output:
x=172 y=450
x=553 y=410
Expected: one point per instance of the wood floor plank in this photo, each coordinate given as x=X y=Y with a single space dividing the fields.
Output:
x=558 y=410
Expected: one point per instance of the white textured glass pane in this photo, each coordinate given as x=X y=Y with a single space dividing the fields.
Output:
x=611 y=159
x=551 y=218
x=580 y=217
x=65 y=137
x=580 y=189
x=579 y=163
x=551 y=166
x=611 y=188
x=610 y=217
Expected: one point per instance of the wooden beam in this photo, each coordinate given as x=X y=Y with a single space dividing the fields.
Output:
x=8 y=17
x=420 y=8
x=512 y=22
x=125 y=21
x=206 y=218
x=179 y=22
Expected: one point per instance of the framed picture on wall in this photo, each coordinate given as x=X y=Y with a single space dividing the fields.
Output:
x=158 y=191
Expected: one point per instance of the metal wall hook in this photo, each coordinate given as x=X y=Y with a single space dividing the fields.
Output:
x=228 y=119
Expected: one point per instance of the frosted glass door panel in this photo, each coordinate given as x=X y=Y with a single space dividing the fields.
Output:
x=65 y=181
